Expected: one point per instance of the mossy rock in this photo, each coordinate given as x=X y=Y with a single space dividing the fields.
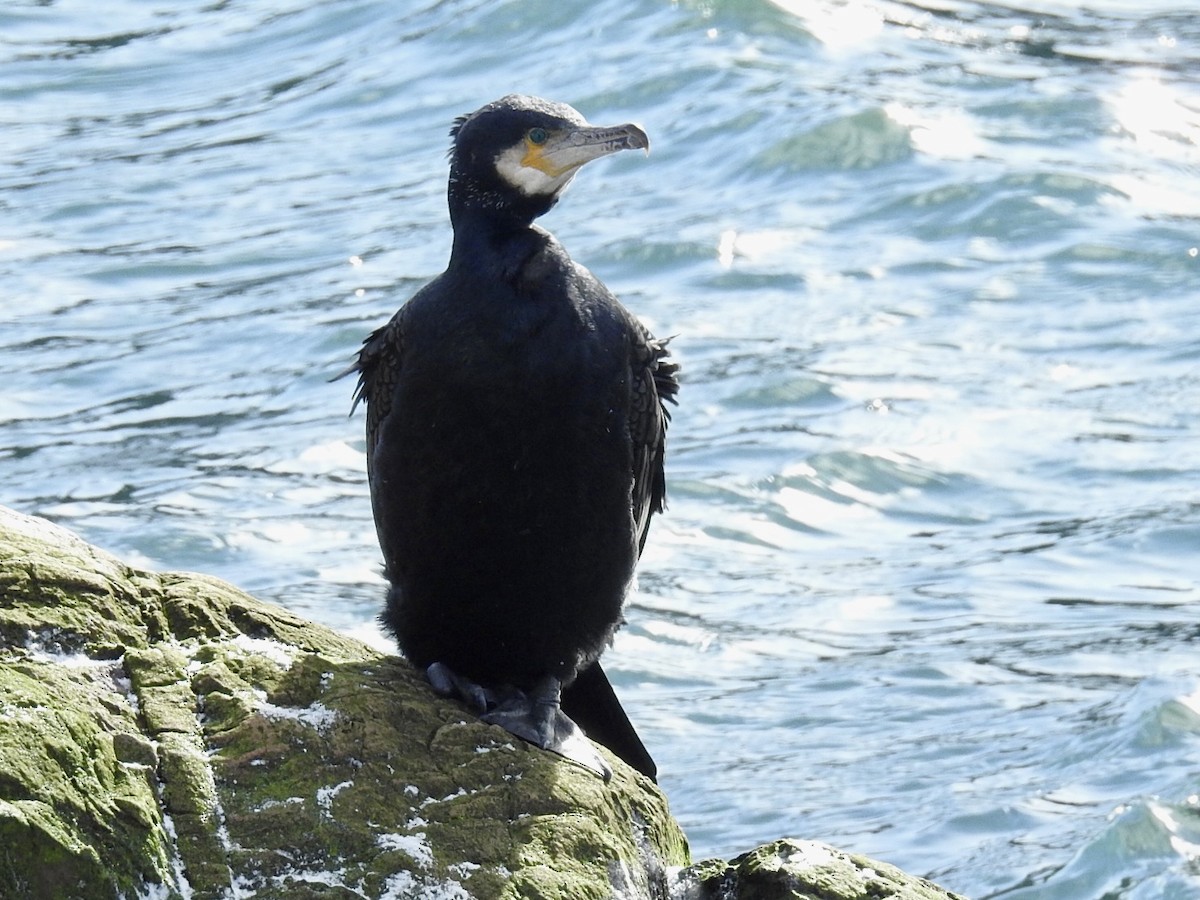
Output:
x=169 y=736
x=802 y=870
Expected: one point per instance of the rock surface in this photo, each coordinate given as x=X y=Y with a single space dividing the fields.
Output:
x=168 y=736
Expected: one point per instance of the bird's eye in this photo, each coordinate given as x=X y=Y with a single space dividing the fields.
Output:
x=537 y=135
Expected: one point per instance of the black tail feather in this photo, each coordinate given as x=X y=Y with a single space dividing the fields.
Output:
x=590 y=701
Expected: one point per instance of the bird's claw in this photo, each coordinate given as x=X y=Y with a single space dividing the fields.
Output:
x=536 y=717
x=448 y=683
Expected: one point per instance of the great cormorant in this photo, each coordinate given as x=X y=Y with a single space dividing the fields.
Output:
x=515 y=437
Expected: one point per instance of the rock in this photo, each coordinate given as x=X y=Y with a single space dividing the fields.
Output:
x=805 y=870
x=168 y=736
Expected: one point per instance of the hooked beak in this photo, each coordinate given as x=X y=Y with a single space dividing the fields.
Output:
x=566 y=150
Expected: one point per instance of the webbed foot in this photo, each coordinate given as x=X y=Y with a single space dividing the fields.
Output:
x=448 y=683
x=536 y=717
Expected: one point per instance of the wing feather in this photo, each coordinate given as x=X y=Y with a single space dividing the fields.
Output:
x=655 y=383
x=378 y=367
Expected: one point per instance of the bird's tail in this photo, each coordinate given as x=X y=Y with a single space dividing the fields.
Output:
x=590 y=702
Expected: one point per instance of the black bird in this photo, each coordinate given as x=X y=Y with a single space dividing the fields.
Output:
x=515 y=436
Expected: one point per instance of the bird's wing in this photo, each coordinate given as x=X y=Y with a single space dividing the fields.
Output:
x=655 y=382
x=378 y=366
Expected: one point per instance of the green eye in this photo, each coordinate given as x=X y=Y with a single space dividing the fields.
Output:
x=537 y=135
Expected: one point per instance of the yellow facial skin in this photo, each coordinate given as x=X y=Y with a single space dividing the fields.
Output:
x=535 y=153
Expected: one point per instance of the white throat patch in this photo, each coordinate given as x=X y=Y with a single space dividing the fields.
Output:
x=529 y=181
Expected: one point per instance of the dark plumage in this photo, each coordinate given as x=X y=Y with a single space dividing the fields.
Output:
x=515 y=438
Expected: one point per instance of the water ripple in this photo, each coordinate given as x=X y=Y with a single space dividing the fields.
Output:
x=932 y=268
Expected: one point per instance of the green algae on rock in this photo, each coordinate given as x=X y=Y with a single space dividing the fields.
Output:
x=808 y=870
x=169 y=737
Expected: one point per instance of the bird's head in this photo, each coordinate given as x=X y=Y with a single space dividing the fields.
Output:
x=511 y=159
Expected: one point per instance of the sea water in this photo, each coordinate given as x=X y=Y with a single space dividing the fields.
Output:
x=927 y=588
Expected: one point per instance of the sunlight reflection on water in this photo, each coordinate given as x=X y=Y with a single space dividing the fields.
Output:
x=933 y=507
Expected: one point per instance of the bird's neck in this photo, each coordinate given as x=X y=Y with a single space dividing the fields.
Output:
x=492 y=241
x=485 y=205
